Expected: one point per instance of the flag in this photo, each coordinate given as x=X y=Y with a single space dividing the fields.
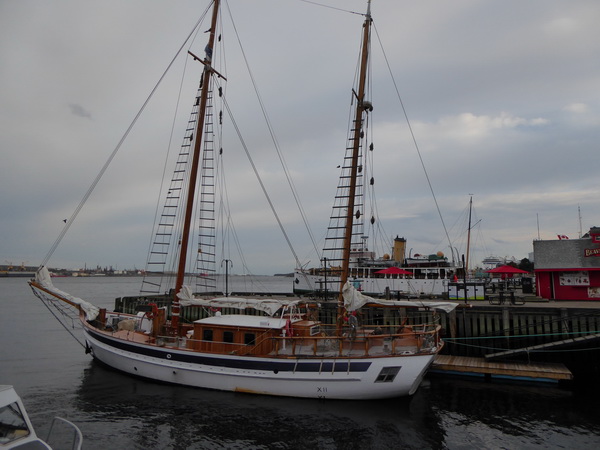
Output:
x=562 y=236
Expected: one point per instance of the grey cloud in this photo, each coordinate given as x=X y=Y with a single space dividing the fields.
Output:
x=79 y=110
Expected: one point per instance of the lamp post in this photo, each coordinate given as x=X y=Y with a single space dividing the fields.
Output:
x=325 y=275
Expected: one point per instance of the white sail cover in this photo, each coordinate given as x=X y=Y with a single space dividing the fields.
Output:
x=42 y=277
x=354 y=300
x=270 y=307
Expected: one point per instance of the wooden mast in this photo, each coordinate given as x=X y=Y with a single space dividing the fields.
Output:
x=469 y=237
x=357 y=125
x=183 y=248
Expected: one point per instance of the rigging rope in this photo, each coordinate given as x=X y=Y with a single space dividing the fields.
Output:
x=523 y=335
x=262 y=186
x=116 y=149
x=170 y=275
x=414 y=139
x=461 y=341
x=46 y=301
x=277 y=148
x=332 y=7
x=463 y=344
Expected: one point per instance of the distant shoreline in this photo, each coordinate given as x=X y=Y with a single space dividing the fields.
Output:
x=30 y=272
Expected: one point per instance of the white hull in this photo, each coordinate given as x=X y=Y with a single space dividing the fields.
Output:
x=304 y=283
x=352 y=379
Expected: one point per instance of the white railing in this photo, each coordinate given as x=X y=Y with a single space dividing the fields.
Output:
x=77 y=438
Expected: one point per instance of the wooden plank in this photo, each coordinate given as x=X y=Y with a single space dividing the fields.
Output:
x=575 y=324
x=506 y=322
x=555 y=326
x=564 y=321
x=479 y=366
x=452 y=323
x=497 y=328
x=532 y=327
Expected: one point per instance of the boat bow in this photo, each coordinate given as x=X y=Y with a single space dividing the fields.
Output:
x=43 y=285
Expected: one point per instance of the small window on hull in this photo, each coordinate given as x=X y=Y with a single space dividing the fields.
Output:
x=387 y=374
x=249 y=338
x=12 y=424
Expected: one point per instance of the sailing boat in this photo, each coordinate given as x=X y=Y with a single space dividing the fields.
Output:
x=272 y=347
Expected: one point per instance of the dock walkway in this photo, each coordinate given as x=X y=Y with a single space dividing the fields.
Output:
x=465 y=365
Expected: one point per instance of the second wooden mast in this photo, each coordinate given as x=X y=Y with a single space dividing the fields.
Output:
x=356 y=142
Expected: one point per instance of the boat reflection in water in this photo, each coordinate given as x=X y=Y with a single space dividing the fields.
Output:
x=444 y=413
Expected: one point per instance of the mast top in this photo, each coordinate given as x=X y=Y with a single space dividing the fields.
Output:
x=368 y=9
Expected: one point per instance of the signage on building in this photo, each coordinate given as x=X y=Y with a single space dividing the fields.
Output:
x=574 y=278
x=593 y=292
x=591 y=252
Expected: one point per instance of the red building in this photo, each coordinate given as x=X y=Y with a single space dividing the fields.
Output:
x=568 y=269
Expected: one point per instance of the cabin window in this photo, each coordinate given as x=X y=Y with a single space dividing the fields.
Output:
x=249 y=338
x=228 y=336
x=387 y=374
x=12 y=424
x=207 y=335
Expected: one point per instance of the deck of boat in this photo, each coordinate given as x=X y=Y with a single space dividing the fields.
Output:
x=132 y=336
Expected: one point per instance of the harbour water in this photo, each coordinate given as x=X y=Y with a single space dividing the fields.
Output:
x=54 y=376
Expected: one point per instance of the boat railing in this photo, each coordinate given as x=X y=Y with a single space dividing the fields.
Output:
x=421 y=339
x=364 y=342
x=76 y=440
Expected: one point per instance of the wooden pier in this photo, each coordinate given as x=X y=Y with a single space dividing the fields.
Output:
x=472 y=366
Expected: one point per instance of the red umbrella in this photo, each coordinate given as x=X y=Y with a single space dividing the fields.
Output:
x=506 y=269
x=394 y=271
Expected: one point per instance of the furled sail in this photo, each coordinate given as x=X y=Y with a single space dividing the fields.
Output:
x=353 y=300
x=269 y=307
x=43 y=280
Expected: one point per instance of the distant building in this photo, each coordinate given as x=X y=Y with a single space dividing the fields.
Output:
x=568 y=269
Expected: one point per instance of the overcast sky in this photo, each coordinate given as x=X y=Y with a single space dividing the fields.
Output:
x=503 y=99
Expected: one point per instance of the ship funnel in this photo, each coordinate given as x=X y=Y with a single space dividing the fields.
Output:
x=399 y=250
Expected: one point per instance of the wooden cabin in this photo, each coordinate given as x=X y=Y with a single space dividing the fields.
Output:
x=235 y=333
x=249 y=335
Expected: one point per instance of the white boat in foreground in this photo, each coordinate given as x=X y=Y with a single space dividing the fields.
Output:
x=275 y=347
x=16 y=430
